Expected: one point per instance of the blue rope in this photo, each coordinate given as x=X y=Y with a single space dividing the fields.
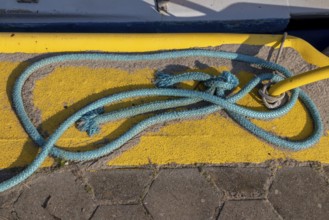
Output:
x=216 y=94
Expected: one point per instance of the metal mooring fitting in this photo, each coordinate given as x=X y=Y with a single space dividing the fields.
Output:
x=272 y=102
x=161 y=6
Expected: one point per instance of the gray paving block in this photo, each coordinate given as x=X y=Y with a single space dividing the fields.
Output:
x=182 y=194
x=120 y=185
x=326 y=170
x=54 y=195
x=247 y=210
x=8 y=197
x=240 y=182
x=120 y=212
x=300 y=193
x=6 y=214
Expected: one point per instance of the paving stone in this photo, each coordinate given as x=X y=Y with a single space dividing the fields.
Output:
x=7 y=198
x=120 y=185
x=300 y=193
x=247 y=210
x=6 y=214
x=182 y=194
x=326 y=170
x=56 y=195
x=120 y=212
x=240 y=182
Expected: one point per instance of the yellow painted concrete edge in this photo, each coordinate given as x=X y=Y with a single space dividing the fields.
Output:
x=41 y=43
x=59 y=42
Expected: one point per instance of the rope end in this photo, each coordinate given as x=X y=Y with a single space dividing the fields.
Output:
x=163 y=80
x=87 y=122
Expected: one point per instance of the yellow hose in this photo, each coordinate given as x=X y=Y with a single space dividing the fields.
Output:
x=299 y=80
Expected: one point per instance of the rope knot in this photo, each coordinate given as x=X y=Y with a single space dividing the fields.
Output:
x=222 y=83
x=87 y=122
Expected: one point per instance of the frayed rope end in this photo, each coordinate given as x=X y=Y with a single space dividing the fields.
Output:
x=230 y=78
x=87 y=122
x=163 y=80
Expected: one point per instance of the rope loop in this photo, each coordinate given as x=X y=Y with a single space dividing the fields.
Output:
x=272 y=102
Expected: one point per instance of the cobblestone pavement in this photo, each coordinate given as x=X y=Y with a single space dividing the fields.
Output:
x=273 y=190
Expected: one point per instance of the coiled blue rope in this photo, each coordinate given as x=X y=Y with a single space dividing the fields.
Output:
x=216 y=94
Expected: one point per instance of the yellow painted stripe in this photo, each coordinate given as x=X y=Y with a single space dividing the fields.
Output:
x=58 y=42
x=213 y=139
